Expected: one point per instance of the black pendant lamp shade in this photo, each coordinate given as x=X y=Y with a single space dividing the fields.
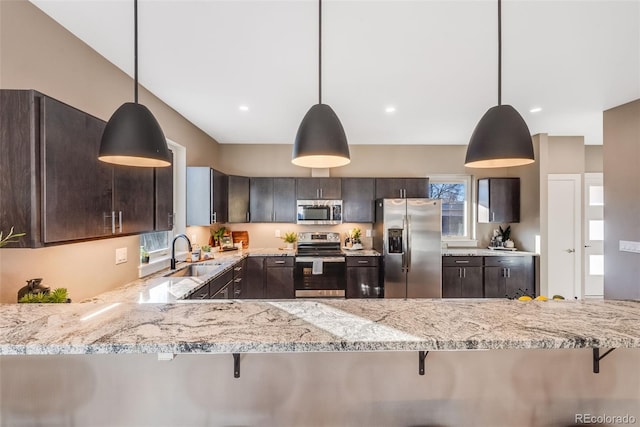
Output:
x=132 y=136
x=501 y=137
x=320 y=141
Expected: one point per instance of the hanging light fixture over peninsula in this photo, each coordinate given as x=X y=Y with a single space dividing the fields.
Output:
x=320 y=141
x=132 y=136
x=501 y=137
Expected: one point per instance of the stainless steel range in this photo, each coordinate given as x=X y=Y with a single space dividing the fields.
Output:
x=320 y=266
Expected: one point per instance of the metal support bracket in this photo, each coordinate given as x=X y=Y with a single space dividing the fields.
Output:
x=236 y=365
x=597 y=358
x=421 y=356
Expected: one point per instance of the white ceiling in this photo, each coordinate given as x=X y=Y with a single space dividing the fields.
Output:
x=434 y=61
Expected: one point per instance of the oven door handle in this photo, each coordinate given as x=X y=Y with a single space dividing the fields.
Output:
x=323 y=259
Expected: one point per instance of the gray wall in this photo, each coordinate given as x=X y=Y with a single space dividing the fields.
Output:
x=502 y=388
x=621 y=200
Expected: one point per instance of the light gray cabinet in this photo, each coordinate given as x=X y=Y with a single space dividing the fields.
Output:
x=207 y=192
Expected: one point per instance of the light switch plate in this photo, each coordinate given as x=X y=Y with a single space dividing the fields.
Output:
x=277 y=233
x=121 y=255
x=367 y=232
x=629 y=246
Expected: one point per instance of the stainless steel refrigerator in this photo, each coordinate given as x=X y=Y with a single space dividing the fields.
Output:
x=408 y=233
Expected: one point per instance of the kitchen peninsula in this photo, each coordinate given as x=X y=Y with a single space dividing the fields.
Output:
x=118 y=322
x=356 y=356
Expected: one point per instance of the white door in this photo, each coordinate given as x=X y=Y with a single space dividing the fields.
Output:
x=593 y=236
x=564 y=235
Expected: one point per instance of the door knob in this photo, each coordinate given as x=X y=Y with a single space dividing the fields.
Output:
x=570 y=250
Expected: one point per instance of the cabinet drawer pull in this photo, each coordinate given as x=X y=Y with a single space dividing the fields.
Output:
x=238 y=280
x=278 y=262
x=462 y=262
x=363 y=262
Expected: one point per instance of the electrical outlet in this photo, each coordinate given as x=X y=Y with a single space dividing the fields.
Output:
x=277 y=233
x=367 y=232
x=121 y=255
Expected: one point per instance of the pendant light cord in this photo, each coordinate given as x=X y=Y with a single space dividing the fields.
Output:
x=499 y=52
x=319 y=51
x=135 y=49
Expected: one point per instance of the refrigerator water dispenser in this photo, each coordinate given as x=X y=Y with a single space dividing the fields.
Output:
x=395 y=240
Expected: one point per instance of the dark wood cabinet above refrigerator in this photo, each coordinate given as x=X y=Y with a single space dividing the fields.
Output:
x=402 y=188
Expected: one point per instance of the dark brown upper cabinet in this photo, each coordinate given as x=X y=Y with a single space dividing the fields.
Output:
x=402 y=188
x=358 y=199
x=318 y=188
x=207 y=193
x=164 y=197
x=238 y=199
x=272 y=199
x=498 y=200
x=53 y=185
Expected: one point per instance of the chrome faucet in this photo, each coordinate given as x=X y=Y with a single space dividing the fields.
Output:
x=173 y=249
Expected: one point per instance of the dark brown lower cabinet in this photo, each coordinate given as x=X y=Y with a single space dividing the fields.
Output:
x=201 y=293
x=222 y=286
x=462 y=277
x=509 y=276
x=279 y=277
x=239 y=271
x=363 y=278
x=253 y=287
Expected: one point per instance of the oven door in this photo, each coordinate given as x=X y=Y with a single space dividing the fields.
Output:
x=320 y=277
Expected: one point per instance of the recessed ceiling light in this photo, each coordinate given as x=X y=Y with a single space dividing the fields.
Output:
x=535 y=110
x=243 y=108
x=390 y=109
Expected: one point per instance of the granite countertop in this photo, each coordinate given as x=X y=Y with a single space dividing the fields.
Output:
x=119 y=322
x=484 y=252
x=316 y=325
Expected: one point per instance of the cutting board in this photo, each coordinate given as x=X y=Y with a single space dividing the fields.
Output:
x=241 y=236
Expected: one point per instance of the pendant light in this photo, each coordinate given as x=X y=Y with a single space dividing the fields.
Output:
x=320 y=141
x=132 y=136
x=501 y=137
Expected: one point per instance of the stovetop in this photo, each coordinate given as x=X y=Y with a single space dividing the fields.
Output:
x=319 y=243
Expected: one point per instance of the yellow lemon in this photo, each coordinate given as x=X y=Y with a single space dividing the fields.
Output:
x=541 y=298
x=558 y=297
x=524 y=298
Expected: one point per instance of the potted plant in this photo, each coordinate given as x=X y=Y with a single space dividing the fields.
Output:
x=144 y=255
x=206 y=251
x=506 y=234
x=59 y=295
x=353 y=240
x=217 y=236
x=290 y=238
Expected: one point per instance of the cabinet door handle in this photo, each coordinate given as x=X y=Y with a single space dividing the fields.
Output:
x=170 y=220
x=318 y=193
x=460 y=273
x=215 y=217
x=120 y=221
x=493 y=216
x=113 y=222
x=464 y=272
x=247 y=216
x=508 y=272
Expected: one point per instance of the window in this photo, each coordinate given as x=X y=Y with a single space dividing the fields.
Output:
x=454 y=191
x=156 y=241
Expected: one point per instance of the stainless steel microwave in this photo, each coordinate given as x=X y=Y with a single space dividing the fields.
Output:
x=319 y=212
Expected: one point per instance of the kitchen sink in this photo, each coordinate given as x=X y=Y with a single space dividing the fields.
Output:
x=194 y=270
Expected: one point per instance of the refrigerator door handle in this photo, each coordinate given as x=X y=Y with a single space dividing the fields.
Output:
x=405 y=235
x=408 y=231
